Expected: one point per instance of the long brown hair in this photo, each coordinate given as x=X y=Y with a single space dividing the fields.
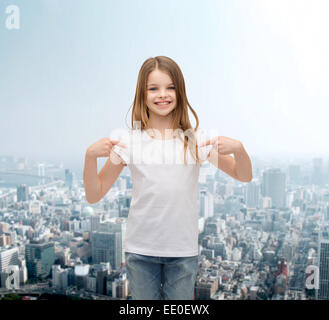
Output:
x=181 y=119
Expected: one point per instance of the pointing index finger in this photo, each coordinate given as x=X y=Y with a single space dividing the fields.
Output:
x=117 y=142
x=206 y=143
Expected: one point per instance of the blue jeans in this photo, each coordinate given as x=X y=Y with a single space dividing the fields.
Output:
x=161 y=278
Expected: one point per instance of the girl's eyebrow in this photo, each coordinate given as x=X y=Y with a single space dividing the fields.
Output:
x=154 y=84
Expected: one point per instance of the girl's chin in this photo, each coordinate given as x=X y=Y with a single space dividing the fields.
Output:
x=156 y=109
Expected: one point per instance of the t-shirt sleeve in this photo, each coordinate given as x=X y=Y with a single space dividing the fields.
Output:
x=123 y=152
x=204 y=151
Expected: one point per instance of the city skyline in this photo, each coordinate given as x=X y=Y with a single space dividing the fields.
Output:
x=257 y=241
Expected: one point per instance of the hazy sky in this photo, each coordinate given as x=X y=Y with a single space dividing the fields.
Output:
x=255 y=70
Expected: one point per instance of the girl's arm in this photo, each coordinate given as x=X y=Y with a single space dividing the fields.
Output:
x=239 y=167
x=97 y=185
x=243 y=167
x=91 y=181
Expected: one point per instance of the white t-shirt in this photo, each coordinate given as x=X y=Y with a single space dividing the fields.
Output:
x=163 y=215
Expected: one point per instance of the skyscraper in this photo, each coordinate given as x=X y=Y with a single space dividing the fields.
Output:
x=39 y=258
x=274 y=186
x=206 y=208
x=112 y=226
x=59 y=277
x=294 y=174
x=95 y=221
x=106 y=247
x=22 y=193
x=318 y=177
x=41 y=172
x=8 y=257
x=68 y=178
x=323 y=259
x=252 y=195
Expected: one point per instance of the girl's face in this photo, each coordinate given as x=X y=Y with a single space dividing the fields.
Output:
x=160 y=88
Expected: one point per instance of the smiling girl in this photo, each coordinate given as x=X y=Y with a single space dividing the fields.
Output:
x=161 y=241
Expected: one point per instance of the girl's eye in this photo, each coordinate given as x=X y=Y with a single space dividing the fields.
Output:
x=169 y=88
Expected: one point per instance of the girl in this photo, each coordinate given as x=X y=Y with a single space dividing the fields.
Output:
x=164 y=155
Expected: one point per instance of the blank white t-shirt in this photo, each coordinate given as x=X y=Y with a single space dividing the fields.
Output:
x=163 y=214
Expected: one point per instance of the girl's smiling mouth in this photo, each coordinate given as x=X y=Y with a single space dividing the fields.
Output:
x=163 y=104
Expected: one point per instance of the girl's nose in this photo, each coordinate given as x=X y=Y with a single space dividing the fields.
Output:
x=163 y=94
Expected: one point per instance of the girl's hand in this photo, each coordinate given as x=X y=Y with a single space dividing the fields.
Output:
x=223 y=145
x=103 y=147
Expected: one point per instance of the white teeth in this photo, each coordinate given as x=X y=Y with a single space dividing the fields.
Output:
x=162 y=103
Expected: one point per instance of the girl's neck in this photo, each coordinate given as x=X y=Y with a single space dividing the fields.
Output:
x=160 y=124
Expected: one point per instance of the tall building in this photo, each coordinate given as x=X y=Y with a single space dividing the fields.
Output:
x=318 y=176
x=22 y=193
x=68 y=178
x=205 y=289
x=203 y=204
x=120 y=287
x=274 y=186
x=106 y=247
x=100 y=272
x=323 y=258
x=59 y=277
x=41 y=172
x=124 y=200
x=294 y=174
x=81 y=275
x=95 y=221
x=4 y=227
x=252 y=195
x=22 y=270
x=8 y=257
x=210 y=204
x=206 y=204
x=39 y=258
x=115 y=225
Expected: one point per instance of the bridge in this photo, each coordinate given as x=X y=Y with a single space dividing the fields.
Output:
x=19 y=173
x=36 y=188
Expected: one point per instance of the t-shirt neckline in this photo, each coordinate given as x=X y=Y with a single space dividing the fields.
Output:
x=154 y=139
